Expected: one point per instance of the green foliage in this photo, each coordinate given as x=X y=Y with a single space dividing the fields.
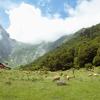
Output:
x=78 y=52
x=86 y=54
x=98 y=52
x=96 y=61
x=76 y=63
x=88 y=66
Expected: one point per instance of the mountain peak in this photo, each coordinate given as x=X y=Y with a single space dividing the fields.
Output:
x=5 y=46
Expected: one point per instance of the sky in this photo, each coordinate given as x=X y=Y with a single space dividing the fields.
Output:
x=33 y=21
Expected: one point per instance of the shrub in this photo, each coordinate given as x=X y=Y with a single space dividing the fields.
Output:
x=76 y=65
x=96 y=61
x=88 y=66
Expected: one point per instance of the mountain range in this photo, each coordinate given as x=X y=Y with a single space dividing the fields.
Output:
x=81 y=50
x=5 y=44
x=16 y=53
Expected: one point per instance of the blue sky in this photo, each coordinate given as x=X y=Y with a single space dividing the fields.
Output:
x=48 y=8
x=33 y=21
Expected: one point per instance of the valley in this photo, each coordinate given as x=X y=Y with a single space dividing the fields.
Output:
x=66 y=68
x=39 y=85
x=49 y=49
x=82 y=50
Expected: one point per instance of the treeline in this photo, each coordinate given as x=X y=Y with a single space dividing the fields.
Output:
x=83 y=50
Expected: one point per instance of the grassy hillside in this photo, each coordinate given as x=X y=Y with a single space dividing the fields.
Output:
x=82 y=50
x=29 y=85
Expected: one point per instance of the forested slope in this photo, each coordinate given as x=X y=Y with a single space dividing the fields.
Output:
x=82 y=50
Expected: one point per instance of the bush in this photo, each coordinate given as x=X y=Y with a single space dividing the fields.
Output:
x=76 y=65
x=88 y=66
x=96 y=61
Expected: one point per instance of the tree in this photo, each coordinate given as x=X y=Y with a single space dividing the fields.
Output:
x=86 y=54
x=96 y=61
x=76 y=64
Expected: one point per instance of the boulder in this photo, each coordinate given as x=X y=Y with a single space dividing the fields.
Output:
x=61 y=82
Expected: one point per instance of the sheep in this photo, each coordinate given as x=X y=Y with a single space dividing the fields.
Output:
x=90 y=74
x=69 y=77
x=95 y=74
x=56 y=78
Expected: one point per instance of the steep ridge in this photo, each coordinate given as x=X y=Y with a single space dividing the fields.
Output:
x=16 y=53
x=26 y=53
x=82 y=50
x=5 y=45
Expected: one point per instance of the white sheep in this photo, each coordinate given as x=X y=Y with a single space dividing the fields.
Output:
x=95 y=74
x=56 y=78
x=69 y=77
x=90 y=74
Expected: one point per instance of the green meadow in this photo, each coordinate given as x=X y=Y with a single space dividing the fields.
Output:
x=38 y=85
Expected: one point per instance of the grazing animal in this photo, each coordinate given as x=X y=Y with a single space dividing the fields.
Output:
x=56 y=78
x=69 y=77
x=90 y=74
x=95 y=74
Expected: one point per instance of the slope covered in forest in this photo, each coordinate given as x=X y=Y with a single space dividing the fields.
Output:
x=82 y=50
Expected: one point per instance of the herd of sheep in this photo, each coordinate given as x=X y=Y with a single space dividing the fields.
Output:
x=60 y=78
x=60 y=82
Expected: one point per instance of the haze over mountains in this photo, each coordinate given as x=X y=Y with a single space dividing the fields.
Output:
x=5 y=44
x=82 y=46
x=82 y=50
x=17 y=53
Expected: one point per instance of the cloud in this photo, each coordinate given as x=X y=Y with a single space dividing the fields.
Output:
x=7 y=4
x=27 y=24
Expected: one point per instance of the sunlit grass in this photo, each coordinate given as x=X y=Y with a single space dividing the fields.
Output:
x=23 y=85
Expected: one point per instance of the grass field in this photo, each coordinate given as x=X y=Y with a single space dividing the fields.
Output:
x=24 y=85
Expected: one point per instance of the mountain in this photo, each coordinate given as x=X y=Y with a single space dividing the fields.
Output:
x=19 y=53
x=23 y=53
x=81 y=50
x=58 y=42
x=5 y=45
x=16 y=53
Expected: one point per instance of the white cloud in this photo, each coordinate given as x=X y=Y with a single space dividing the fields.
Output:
x=28 y=25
